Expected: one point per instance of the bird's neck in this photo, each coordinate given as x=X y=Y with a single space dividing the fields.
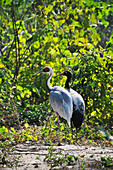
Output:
x=48 y=81
x=67 y=83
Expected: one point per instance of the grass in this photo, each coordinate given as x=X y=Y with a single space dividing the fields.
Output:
x=59 y=159
x=48 y=135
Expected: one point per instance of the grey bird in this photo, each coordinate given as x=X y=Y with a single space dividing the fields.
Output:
x=60 y=98
x=78 y=103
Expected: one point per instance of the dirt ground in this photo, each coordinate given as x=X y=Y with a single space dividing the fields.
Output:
x=89 y=157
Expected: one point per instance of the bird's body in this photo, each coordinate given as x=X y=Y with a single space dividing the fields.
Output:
x=78 y=109
x=78 y=103
x=61 y=102
x=60 y=98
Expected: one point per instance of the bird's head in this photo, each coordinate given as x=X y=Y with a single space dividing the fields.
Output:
x=66 y=73
x=46 y=69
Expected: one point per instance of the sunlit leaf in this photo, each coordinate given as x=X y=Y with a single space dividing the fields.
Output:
x=93 y=113
x=56 y=23
x=19 y=88
x=52 y=52
x=22 y=94
x=12 y=129
x=2 y=65
x=0 y=80
x=26 y=125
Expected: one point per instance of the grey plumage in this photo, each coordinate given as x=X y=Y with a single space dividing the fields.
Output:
x=61 y=102
x=78 y=103
x=60 y=98
x=78 y=109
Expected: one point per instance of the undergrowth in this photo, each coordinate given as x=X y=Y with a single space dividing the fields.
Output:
x=48 y=134
x=59 y=159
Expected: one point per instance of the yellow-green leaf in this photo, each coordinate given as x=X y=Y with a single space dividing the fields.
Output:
x=18 y=97
x=19 y=88
x=26 y=125
x=22 y=94
x=93 y=113
x=12 y=129
x=0 y=80
x=1 y=65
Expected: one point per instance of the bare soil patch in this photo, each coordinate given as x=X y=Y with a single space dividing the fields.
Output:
x=32 y=155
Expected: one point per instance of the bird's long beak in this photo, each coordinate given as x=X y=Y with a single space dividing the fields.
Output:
x=59 y=74
x=38 y=72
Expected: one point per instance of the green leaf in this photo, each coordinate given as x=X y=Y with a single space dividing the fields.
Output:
x=8 y=2
x=69 y=157
x=36 y=90
x=2 y=65
x=0 y=80
x=19 y=88
x=93 y=113
x=56 y=23
x=2 y=130
x=26 y=125
x=52 y=52
x=22 y=94
x=12 y=129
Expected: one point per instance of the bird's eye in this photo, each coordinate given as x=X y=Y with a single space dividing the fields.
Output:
x=46 y=69
x=66 y=72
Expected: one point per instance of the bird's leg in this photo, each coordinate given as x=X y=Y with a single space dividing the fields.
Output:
x=72 y=126
x=76 y=134
x=59 y=129
x=72 y=132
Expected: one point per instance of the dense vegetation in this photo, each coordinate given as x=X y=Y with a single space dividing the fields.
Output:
x=72 y=35
x=64 y=35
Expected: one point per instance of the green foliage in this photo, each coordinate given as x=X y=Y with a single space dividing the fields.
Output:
x=7 y=141
x=107 y=161
x=59 y=159
x=10 y=137
x=47 y=135
x=73 y=35
x=94 y=73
